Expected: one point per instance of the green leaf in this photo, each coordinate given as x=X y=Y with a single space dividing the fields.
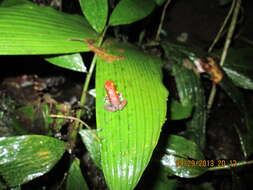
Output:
x=129 y=11
x=180 y=111
x=8 y=3
x=96 y=12
x=72 y=61
x=189 y=87
x=92 y=144
x=191 y=91
x=196 y=127
x=177 y=51
x=129 y=136
x=30 y=29
x=23 y=158
x=179 y=152
x=75 y=178
x=238 y=67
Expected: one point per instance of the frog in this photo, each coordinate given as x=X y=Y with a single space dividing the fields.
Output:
x=114 y=100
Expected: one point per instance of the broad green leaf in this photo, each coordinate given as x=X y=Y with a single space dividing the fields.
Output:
x=189 y=87
x=129 y=136
x=238 y=67
x=178 y=155
x=129 y=11
x=191 y=91
x=71 y=61
x=92 y=143
x=75 y=178
x=180 y=111
x=196 y=127
x=30 y=29
x=23 y=158
x=96 y=12
x=8 y=3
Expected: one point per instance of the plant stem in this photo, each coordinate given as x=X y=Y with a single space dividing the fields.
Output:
x=74 y=119
x=217 y=37
x=211 y=97
x=73 y=131
x=230 y=32
x=157 y=37
x=70 y=118
x=230 y=166
x=225 y=49
x=244 y=39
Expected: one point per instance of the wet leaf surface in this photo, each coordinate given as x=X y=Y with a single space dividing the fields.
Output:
x=24 y=32
x=130 y=135
x=23 y=158
x=75 y=179
x=181 y=156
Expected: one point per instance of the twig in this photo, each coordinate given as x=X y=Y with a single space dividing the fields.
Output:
x=231 y=166
x=217 y=37
x=230 y=32
x=75 y=127
x=225 y=49
x=157 y=38
x=244 y=39
x=71 y=118
x=74 y=119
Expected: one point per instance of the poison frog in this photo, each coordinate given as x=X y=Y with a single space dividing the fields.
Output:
x=114 y=100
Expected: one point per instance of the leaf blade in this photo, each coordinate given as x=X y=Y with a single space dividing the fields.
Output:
x=30 y=29
x=239 y=68
x=23 y=158
x=92 y=144
x=129 y=11
x=70 y=61
x=189 y=87
x=75 y=178
x=179 y=151
x=130 y=135
x=96 y=12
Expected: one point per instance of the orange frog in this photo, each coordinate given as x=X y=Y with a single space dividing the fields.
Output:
x=114 y=100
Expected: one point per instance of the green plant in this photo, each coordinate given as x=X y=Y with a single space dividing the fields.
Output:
x=123 y=143
x=45 y=31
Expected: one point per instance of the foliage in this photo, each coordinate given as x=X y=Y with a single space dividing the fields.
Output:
x=125 y=139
